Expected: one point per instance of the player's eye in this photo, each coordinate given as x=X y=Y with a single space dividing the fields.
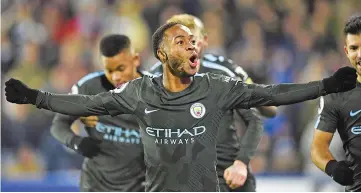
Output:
x=180 y=43
x=121 y=69
x=193 y=42
x=353 y=48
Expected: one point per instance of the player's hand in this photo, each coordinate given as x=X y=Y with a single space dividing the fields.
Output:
x=342 y=80
x=17 y=92
x=236 y=174
x=340 y=172
x=86 y=146
x=90 y=121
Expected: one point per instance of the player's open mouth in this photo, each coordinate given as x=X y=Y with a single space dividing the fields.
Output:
x=193 y=60
x=358 y=64
x=117 y=85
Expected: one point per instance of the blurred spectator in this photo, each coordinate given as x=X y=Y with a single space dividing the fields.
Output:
x=26 y=165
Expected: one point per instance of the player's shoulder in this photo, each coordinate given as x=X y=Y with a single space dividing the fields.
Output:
x=218 y=64
x=216 y=78
x=133 y=85
x=146 y=73
x=226 y=66
x=332 y=99
x=339 y=98
x=88 y=81
x=90 y=78
x=218 y=59
x=146 y=78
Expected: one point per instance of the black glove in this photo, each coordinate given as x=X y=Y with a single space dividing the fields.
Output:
x=340 y=172
x=17 y=92
x=342 y=80
x=86 y=146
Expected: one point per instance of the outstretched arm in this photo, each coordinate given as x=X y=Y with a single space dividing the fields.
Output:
x=75 y=105
x=240 y=95
x=284 y=94
x=266 y=111
x=115 y=102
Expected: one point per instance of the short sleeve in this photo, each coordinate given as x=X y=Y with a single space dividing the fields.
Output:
x=328 y=115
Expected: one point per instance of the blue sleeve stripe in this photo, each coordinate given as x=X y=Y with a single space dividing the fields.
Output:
x=218 y=67
x=318 y=121
x=90 y=76
x=155 y=67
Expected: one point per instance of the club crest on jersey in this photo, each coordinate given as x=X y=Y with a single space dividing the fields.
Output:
x=198 y=110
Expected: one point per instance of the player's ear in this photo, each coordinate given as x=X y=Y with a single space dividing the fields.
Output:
x=205 y=40
x=136 y=59
x=162 y=56
x=345 y=49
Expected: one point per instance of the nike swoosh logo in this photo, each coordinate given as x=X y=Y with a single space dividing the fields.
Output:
x=354 y=113
x=151 y=111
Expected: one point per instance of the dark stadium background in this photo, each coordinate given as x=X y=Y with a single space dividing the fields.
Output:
x=51 y=44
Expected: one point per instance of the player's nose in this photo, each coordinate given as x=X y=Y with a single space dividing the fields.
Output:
x=359 y=53
x=116 y=76
x=190 y=46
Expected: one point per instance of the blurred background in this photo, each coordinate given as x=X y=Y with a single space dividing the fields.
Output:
x=51 y=44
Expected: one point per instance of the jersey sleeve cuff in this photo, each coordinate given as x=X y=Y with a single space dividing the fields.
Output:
x=323 y=91
x=243 y=159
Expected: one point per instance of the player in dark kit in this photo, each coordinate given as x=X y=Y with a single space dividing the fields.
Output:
x=233 y=155
x=342 y=112
x=114 y=159
x=179 y=112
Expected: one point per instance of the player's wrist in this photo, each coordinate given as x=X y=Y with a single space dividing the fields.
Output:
x=32 y=95
x=242 y=159
x=330 y=85
x=340 y=172
x=86 y=146
x=74 y=143
x=239 y=163
x=330 y=167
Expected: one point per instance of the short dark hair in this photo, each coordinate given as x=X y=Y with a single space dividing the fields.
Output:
x=111 y=45
x=158 y=35
x=353 y=25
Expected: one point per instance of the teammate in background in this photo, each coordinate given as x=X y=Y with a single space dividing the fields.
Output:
x=342 y=111
x=180 y=111
x=114 y=159
x=233 y=154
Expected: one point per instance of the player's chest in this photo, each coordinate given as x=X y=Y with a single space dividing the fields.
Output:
x=178 y=125
x=350 y=108
x=183 y=116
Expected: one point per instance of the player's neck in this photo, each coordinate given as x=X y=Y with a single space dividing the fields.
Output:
x=359 y=78
x=137 y=75
x=174 y=83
